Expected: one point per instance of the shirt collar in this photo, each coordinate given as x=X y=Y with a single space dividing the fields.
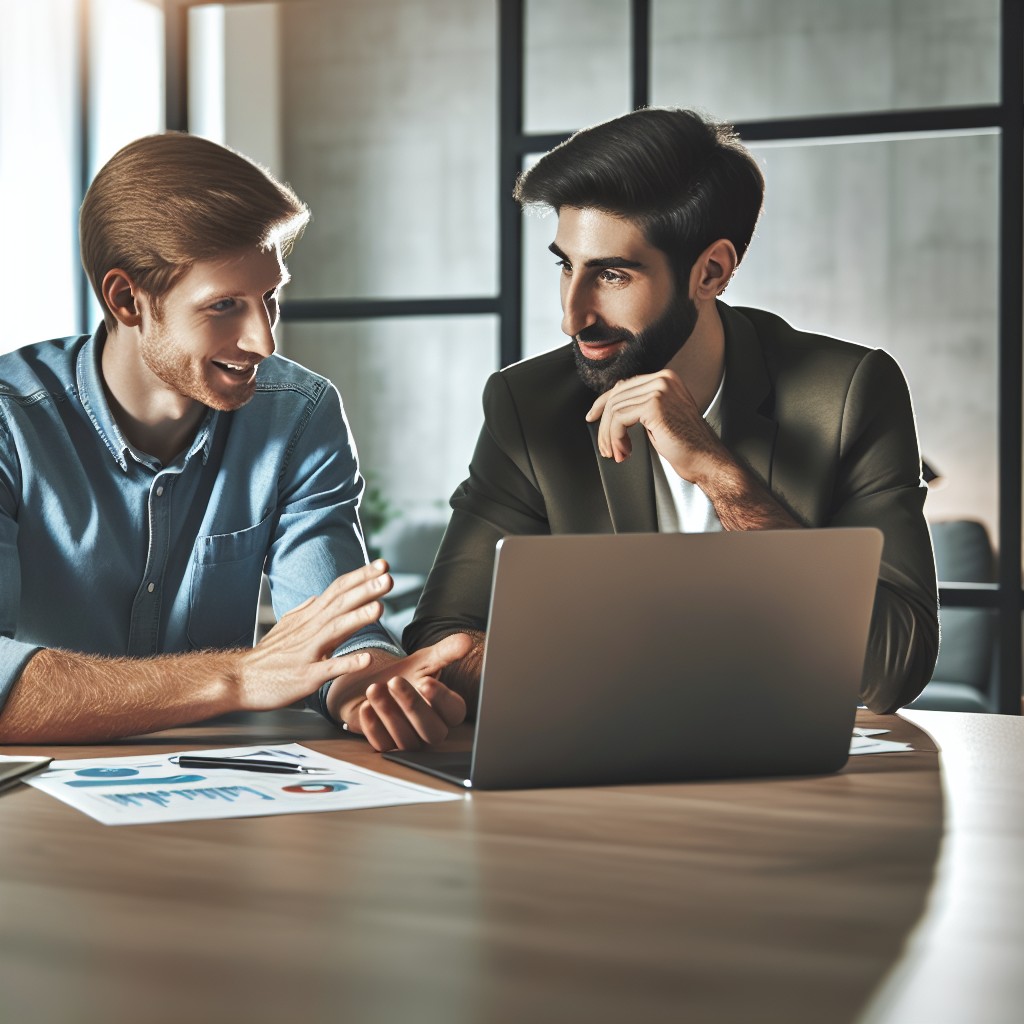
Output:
x=89 y=377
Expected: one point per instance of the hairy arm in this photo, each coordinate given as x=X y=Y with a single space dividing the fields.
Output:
x=740 y=500
x=62 y=697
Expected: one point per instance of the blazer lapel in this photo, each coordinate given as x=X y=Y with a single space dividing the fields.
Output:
x=629 y=486
x=747 y=427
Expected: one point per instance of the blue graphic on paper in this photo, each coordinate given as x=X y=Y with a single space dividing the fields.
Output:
x=165 y=797
x=170 y=780
x=106 y=773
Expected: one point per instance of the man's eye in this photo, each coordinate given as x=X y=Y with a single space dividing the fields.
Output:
x=222 y=305
x=612 y=276
x=565 y=266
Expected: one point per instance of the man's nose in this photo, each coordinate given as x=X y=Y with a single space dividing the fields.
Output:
x=577 y=308
x=258 y=336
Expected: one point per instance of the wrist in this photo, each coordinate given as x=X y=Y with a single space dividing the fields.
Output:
x=346 y=692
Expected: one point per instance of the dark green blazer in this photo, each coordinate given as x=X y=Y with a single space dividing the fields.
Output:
x=828 y=426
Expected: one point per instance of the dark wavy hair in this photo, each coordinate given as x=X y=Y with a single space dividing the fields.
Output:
x=683 y=180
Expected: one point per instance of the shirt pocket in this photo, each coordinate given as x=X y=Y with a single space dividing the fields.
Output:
x=225 y=587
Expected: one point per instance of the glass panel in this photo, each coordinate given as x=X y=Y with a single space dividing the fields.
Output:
x=411 y=389
x=749 y=61
x=383 y=117
x=119 y=115
x=542 y=312
x=577 y=68
x=894 y=245
x=39 y=170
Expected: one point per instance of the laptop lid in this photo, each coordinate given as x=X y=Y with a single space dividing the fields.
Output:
x=655 y=657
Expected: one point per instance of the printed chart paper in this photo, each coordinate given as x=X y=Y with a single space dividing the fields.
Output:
x=150 y=789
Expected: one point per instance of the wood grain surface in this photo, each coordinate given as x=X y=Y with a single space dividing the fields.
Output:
x=769 y=900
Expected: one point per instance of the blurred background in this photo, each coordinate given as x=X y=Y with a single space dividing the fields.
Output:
x=878 y=125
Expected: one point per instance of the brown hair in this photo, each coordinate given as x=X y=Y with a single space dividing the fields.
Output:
x=167 y=201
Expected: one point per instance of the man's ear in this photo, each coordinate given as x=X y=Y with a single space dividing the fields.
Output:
x=713 y=270
x=120 y=297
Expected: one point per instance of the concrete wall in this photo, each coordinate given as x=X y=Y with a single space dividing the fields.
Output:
x=388 y=129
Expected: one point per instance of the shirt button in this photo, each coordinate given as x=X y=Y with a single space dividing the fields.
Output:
x=159 y=492
x=151 y=587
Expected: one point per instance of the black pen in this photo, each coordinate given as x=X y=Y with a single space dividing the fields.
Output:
x=249 y=764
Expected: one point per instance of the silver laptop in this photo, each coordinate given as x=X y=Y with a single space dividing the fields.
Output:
x=661 y=657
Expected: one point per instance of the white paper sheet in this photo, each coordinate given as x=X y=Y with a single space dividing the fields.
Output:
x=865 y=741
x=149 y=789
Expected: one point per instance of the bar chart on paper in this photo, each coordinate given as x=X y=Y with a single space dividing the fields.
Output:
x=147 y=790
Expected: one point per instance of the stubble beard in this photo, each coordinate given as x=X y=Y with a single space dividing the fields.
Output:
x=645 y=351
x=184 y=374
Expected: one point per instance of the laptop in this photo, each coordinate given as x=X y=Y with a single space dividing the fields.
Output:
x=627 y=658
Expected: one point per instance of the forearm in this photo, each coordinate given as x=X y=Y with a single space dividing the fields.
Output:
x=62 y=697
x=740 y=500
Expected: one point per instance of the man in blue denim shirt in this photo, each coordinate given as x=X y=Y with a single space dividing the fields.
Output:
x=151 y=473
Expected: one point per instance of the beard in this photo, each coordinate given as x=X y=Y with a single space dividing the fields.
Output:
x=187 y=374
x=645 y=351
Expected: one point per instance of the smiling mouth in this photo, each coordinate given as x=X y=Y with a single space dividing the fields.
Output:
x=242 y=371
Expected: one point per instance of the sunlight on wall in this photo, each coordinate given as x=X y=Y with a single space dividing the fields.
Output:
x=38 y=168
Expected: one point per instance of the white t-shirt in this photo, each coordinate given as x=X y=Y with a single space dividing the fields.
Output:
x=682 y=506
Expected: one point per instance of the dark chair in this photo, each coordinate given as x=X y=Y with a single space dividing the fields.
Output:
x=964 y=674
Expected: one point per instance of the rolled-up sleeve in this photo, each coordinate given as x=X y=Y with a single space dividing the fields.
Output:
x=318 y=536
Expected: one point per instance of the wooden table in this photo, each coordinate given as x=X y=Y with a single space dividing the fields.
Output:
x=773 y=900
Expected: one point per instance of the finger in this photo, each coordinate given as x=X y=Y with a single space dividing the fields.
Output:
x=350 y=581
x=343 y=613
x=358 y=585
x=373 y=728
x=318 y=638
x=431 y=660
x=445 y=701
x=352 y=589
x=613 y=439
x=328 y=669
x=393 y=717
x=427 y=722
x=597 y=408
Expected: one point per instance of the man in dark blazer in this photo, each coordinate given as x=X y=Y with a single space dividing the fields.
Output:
x=706 y=417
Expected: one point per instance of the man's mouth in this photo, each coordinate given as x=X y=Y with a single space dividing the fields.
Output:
x=241 y=371
x=598 y=350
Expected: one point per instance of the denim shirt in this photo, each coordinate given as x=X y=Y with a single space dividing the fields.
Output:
x=104 y=550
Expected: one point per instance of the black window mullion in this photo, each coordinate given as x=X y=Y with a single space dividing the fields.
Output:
x=84 y=146
x=299 y=310
x=1011 y=326
x=511 y=25
x=640 y=56
x=176 y=64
